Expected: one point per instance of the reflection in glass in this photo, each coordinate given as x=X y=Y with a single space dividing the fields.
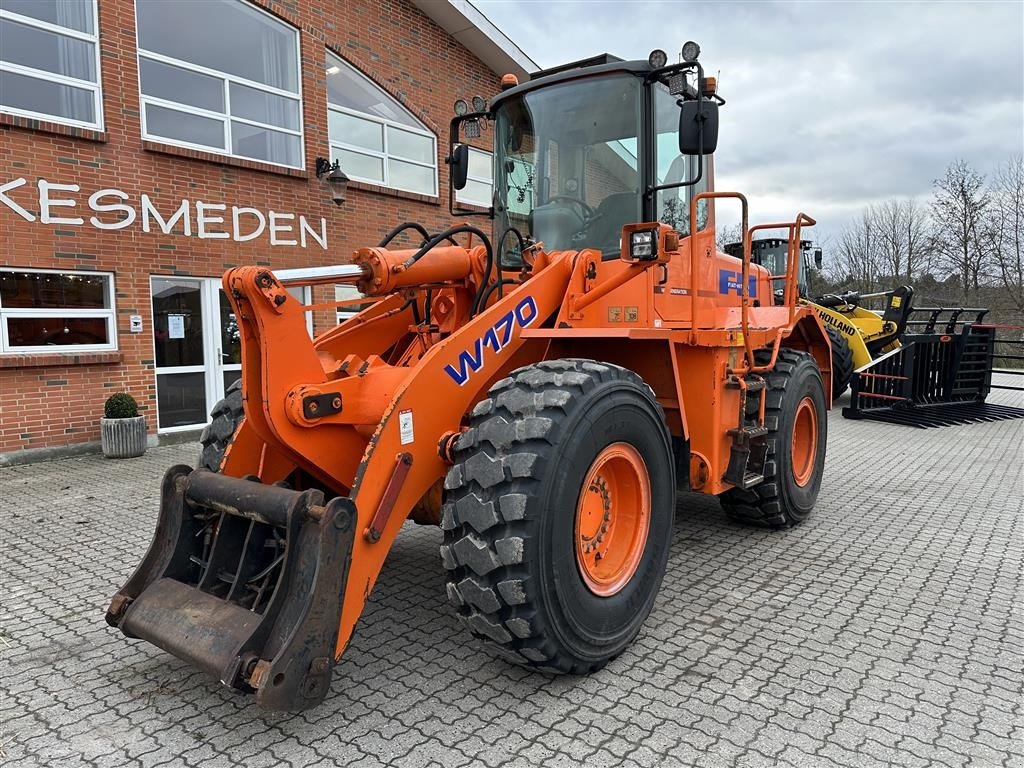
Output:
x=181 y=399
x=182 y=126
x=57 y=290
x=177 y=322
x=165 y=81
x=34 y=95
x=230 y=338
x=230 y=377
x=231 y=37
x=56 y=331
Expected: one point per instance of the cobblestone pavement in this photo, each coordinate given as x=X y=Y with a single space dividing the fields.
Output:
x=885 y=631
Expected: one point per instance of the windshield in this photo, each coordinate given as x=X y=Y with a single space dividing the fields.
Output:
x=567 y=171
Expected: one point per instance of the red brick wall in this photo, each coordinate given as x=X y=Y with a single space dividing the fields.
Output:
x=43 y=403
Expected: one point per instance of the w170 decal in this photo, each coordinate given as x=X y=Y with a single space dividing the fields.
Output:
x=472 y=360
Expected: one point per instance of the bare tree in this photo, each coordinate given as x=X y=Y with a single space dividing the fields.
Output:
x=856 y=260
x=917 y=236
x=889 y=220
x=1005 y=227
x=959 y=206
x=728 y=233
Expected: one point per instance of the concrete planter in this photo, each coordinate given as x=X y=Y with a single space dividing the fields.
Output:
x=123 y=438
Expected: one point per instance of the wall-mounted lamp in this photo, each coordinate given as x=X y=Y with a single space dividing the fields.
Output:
x=334 y=176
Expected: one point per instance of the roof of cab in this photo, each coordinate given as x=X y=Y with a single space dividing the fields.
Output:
x=584 y=68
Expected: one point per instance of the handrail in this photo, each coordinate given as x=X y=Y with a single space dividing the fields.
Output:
x=792 y=256
x=694 y=264
x=792 y=270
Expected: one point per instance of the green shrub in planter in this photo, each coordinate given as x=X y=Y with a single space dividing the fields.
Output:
x=122 y=430
x=120 y=406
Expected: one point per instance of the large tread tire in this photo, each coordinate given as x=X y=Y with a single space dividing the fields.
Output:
x=842 y=361
x=224 y=420
x=510 y=508
x=778 y=501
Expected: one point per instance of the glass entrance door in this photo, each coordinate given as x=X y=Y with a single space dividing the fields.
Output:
x=196 y=346
x=229 y=345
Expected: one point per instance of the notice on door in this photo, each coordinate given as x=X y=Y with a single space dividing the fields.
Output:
x=176 y=326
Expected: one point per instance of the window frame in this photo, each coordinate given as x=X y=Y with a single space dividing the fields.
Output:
x=109 y=314
x=385 y=123
x=489 y=181
x=225 y=117
x=53 y=77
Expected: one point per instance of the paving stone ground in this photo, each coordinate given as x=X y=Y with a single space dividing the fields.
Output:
x=887 y=630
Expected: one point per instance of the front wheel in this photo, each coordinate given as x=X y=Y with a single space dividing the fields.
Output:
x=558 y=512
x=795 y=416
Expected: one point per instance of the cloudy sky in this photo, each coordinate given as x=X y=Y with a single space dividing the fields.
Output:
x=831 y=105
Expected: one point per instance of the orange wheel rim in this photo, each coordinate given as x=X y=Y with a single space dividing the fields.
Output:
x=613 y=516
x=805 y=441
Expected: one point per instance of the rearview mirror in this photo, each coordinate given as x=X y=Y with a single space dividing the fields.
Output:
x=459 y=165
x=697 y=120
x=817 y=258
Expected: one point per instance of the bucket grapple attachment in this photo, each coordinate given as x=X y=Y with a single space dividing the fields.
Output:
x=245 y=581
x=940 y=377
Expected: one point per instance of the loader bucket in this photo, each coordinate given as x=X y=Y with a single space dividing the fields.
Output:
x=244 y=581
x=938 y=378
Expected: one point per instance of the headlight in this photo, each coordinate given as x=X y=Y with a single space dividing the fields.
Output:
x=657 y=58
x=643 y=245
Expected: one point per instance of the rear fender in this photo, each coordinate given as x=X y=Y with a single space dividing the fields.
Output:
x=809 y=335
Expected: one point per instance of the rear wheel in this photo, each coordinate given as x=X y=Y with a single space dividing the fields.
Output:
x=842 y=361
x=224 y=420
x=558 y=513
x=795 y=416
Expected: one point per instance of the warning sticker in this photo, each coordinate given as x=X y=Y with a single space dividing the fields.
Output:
x=405 y=427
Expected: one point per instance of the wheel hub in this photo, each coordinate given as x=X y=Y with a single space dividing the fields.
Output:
x=613 y=517
x=805 y=441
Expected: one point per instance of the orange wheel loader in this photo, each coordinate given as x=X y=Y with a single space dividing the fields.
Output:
x=540 y=390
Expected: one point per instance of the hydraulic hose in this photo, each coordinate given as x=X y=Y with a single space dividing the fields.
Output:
x=491 y=288
x=408 y=225
x=447 y=235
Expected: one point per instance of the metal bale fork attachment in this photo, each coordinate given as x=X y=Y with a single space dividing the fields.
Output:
x=245 y=581
x=941 y=376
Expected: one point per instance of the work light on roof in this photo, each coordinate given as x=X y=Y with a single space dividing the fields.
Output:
x=690 y=51
x=479 y=105
x=461 y=107
x=657 y=58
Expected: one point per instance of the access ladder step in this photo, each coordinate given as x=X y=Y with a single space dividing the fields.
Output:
x=746 y=463
x=753 y=385
x=749 y=432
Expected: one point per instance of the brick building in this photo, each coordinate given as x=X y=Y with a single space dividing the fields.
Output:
x=147 y=145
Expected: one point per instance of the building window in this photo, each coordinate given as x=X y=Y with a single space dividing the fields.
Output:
x=478 y=189
x=374 y=136
x=49 y=61
x=50 y=311
x=223 y=79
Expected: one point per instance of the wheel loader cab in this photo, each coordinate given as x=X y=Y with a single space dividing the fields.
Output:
x=577 y=158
